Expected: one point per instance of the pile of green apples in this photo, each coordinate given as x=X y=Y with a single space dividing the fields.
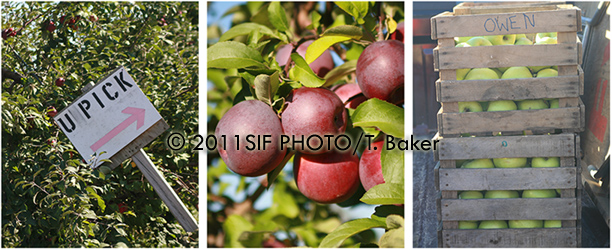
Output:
x=537 y=162
x=507 y=72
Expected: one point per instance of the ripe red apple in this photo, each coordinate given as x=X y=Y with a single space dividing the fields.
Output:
x=122 y=207
x=51 y=27
x=313 y=111
x=321 y=66
x=246 y=118
x=350 y=94
x=370 y=167
x=93 y=18
x=60 y=82
x=380 y=71
x=399 y=32
x=327 y=178
x=51 y=141
x=51 y=111
x=62 y=19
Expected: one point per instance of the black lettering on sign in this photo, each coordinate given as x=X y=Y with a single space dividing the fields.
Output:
x=84 y=109
x=72 y=125
x=108 y=84
x=98 y=100
x=122 y=83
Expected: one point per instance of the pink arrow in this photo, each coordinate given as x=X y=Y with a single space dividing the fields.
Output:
x=137 y=116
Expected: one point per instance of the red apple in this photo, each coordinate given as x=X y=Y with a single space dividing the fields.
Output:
x=399 y=32
x=51 y=27
x=370 y=167
x=93 y=18
x=327 y=178
x=380 y=71
x=60 y=82
x=350 y=94
x=51 y=111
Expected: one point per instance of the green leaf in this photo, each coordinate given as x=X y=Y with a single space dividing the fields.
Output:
x=320 y=45
x=286 y=203
x=303 y=73
x=386 y=194
x=348 y=229
x=278 y=17
x=233 y=227
x=266 y=86
x=340 y=72
x=245 y=29
x=93 y=193
x=383 y=115
x=394 y=221
x=392 y=162
x=315 y=19
x=392 y=239
x=253 y=238
x=228 y=55
x=350 y=31
x=356 y=9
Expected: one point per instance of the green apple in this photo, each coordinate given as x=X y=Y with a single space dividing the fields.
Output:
x=532 y=104
x=523 y=41
x=479 y=41
x=501 y=105
x=471 y=195
x=468 y=224
x=461 y=73
x=458 y=163
x=510 y=162
x=525 y=223
x=536 y=69
x=498 y=71
x=546 y=40
x=519 y=36
x=492 y=224
x=545 y=162
x=484 y=105
x=501 y=194
x=481 y=74
x=478 y=163
x=469 y=107
x=462 y=39
x=552 y=223
x=501 y=39
x=539 y=193
x=503 y=69
x=545 y=35
x=547 y=73
x=460 y=45
x=531 y=36
x=517 y=72
x=554 y=104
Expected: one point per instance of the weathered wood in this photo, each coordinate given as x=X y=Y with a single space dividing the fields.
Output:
x=448 y=25
x=559 y=145
x=508 y=89
x=133 y=147
x=165 y=191
x=507 y=178
x=506 y=56
x=533 y=237
x=509 y=209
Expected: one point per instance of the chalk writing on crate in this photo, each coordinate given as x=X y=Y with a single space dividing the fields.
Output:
x=514 y=22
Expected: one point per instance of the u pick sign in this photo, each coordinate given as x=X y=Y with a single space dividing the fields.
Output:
x=108 y=117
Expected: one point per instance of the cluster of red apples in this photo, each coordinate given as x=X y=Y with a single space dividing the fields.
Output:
x=324 y=176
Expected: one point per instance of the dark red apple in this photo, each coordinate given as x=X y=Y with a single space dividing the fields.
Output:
x=350 y=94
x=60 y=82
x=320 y=66
x=380 y=71
x=51 y=111
x=93 y=18
x=327 y=178
x=246 y=118
x=51 y=27
x=370 y=167
x=399 y=32
x=313 y=111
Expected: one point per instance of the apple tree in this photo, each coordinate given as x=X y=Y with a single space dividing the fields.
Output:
x=50 y=50
x=290 y=70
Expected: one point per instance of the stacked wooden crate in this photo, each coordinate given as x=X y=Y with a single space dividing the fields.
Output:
x=524 y=133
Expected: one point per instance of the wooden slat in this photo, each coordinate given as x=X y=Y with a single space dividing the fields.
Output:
x=508 y=89
x=507 y=178
x=515 y=120
x=506 y=56
x=537 y=237
x=509 y=209
x=513 y=23
x=506 y=146
x=506 y=9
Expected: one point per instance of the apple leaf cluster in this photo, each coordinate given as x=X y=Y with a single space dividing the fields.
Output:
x=50 y=197
x=273 y=73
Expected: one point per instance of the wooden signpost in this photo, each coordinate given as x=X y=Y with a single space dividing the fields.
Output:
x=115 y=117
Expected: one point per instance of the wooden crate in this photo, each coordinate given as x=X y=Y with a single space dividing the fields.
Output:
x=534 y=18
x=451 y=180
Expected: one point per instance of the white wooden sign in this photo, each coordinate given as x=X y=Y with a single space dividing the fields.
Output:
x=108 y=117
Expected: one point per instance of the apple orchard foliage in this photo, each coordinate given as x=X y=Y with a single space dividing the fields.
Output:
x=49 y=197
x=247 y=62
